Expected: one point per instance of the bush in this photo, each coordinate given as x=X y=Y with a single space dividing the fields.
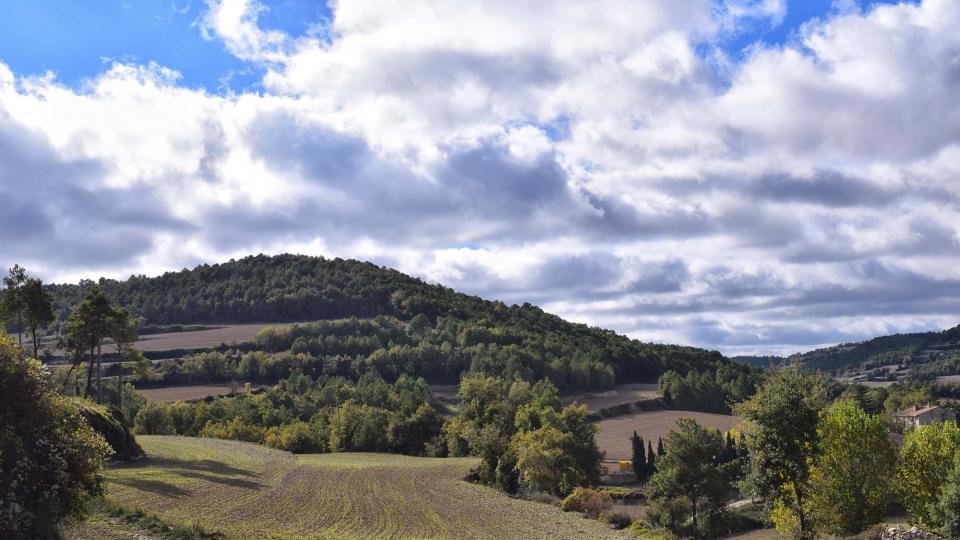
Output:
x=616 y=520
x=296 y=437
x=154 y=419
x=50 y=457
x=236 y=430
x=105 y=422
x=589 y=501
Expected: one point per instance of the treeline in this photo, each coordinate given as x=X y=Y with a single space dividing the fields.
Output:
x=468 y=333
x=709 y=391
x=307 y=415
x=892 y=349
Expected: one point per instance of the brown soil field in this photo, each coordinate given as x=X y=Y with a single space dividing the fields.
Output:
x=250 y=491
x=171 y=394
x=621 y=393
x=200 y=339
x=614 y=436
x=948 y=379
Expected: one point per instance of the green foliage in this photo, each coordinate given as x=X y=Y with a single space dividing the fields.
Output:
x=708 y=391
x=298 y=437
x=639 y=458
x=946 y=513
x=926 y=461
x=591 y=502
x=359 y=427
x=238 y=430
x=154 y=419
x=50 y=457
x=782 y=438
x=105 y=422
x=851 y=477
x=526 y=441
x=691 y=470
x=449 y=333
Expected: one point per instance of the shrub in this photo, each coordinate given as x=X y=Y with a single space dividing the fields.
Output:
x=50 y=457
x=616 y=520
x=154 y=419
x=589 y=501
x=235 y=429
x=104 y=421
x=296 y=437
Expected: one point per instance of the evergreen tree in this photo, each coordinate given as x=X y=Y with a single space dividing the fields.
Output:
x=639 y=458
x=37 y=307
x=660 y=450
x=729 y=449
x=13 y=304
x=651 y=460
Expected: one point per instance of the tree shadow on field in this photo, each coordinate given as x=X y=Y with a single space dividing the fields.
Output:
x=153 y=486
x=206 y=470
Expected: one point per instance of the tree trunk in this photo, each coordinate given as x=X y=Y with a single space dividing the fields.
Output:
x=20 y=328
x=86 y=391
x=99 y=369
x=801 y=515
x=34 y=341
x=693 y=507
x=66 y=381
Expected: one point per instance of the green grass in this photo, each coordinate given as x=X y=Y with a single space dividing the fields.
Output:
x=249 y=491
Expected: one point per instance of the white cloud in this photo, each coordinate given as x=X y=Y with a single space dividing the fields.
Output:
x=587 y=157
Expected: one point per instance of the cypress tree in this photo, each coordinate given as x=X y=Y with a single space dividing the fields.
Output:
x=660 y=450
x=651 y=460
x=639 y=459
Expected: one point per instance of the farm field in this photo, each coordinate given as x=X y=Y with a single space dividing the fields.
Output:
x=202 y=339
x=621 y=393
x=250 y=491
x=614 y=436
x=171 y=394
x=948 y=379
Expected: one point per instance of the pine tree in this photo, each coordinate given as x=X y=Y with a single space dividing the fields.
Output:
x=639 y=459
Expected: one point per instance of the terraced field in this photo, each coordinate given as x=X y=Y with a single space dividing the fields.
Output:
x=249 y=491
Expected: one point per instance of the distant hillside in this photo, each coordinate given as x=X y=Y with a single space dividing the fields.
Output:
x=760 y=361
x=898 y=349
x=517 y=341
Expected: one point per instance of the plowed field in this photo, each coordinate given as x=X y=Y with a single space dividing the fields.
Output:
x=249 y=491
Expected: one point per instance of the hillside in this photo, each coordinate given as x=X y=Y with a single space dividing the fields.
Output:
x=467 y=332
x=248 y=491
x=887 y=353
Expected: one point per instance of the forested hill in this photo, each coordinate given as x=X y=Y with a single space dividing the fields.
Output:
x=907 y=349
x=495 y=337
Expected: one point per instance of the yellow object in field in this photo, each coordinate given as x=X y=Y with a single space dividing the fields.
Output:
x=626 y=466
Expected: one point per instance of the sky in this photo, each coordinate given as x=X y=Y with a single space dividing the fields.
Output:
x=752 y=176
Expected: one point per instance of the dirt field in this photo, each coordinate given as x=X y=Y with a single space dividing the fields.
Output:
x=171 y=394
x=948 y=379
x=622 y=393
x=614 y=436
x=250 y=491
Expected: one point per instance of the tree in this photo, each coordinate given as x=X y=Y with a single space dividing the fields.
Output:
x=543 y=463
x=50 y=457
x=926 y=460
x=639 y=457
x=88 y=325
x=651 y=459
x=37 y=308
x=782 y=437
x=851 y=477
x=13 y=298
x=691 y=470
x=660 y=449
x=947 y=511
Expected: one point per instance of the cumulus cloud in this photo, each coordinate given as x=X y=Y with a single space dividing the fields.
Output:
x=608 y=161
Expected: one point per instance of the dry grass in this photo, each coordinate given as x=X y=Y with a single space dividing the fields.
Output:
x=614 y=436
x=249 y=491
x=621 y=393
x=171 y=394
